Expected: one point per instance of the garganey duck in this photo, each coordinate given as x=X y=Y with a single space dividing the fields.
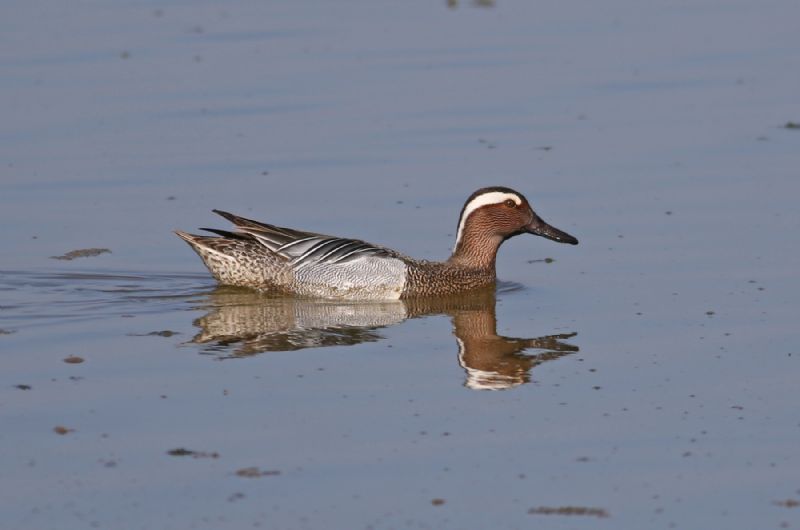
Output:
x=272 y=258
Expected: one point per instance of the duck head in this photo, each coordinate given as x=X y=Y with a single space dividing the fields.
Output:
x=492 y=215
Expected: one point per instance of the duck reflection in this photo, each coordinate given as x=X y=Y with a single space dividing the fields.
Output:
x=241 y=322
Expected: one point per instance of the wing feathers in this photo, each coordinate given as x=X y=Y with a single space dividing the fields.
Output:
x=302 y=248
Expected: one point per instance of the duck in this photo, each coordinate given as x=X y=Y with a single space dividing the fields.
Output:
x=308 y=264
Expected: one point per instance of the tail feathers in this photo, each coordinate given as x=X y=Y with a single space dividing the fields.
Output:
x=189 y=238
x=213 y=250
x=283 y=234
x=228 y=234
x=205 y=244
x=241 y=221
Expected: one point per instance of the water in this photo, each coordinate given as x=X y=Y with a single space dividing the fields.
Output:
x=646 y=378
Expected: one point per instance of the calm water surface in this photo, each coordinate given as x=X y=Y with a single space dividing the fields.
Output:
x=644 y=379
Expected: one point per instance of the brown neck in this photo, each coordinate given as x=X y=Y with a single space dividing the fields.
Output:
x=476 y=251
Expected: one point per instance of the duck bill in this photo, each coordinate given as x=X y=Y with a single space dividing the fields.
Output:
x=540 y=228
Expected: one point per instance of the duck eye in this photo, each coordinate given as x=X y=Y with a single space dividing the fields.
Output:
x=510 y=203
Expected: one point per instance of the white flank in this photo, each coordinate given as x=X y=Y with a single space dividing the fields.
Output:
x=492 y=197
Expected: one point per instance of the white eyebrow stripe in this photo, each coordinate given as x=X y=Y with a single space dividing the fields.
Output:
x=485 y=199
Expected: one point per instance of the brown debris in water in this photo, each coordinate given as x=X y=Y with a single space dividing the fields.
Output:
x=162 y=333
x=60 y=429
x=788 y=503
x=182 y=451
x=569 y=510
x=255 y=472
x=82 y=253
x=73 y=359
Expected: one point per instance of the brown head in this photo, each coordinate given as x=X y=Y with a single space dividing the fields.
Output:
x=489 y=217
